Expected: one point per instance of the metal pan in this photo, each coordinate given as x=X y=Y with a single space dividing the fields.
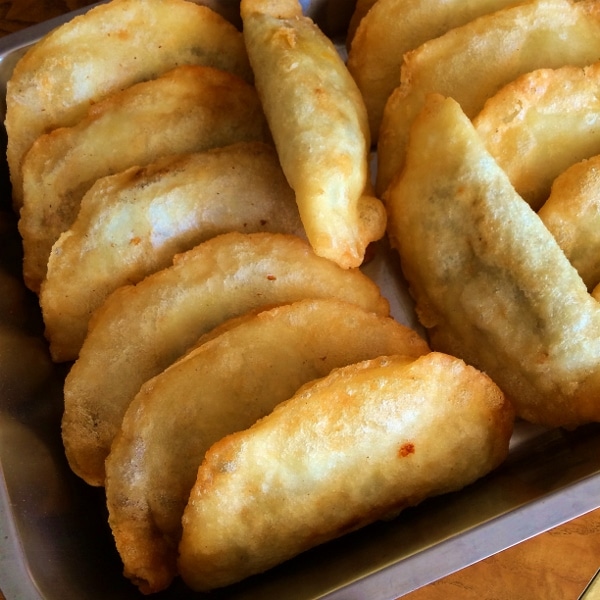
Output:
x=54 y=539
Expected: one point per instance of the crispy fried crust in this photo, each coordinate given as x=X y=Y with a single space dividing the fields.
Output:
x=542 y=123
x=107 y=49
x=319 y=124
x=191 y=108
x=491 y=284
x=572 y=215
x=389 y=30
x=223 y=386
x=515 y=40
x=142 y=329
x=132 y=224
x=361 y=444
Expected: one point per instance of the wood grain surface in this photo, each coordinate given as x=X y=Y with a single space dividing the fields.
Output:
x=553 y=566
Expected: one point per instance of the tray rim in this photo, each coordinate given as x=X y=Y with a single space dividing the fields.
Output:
x=479 y=543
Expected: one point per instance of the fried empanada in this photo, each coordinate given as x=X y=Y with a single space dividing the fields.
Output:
x=491 y=284
x=319 y=125
x=132 y=224
x=109 y=48
x=223 y=386
x=542 y=123
x=359 y=445
x=389 y=30
x=361 y=9
x=572 y=214
x=472 y=62
x=188 y=109
x=142 y=329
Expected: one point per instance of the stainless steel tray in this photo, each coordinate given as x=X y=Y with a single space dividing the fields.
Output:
x=54 y=539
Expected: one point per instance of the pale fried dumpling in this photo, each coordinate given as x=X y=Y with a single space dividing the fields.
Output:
x=223 y=386
x=188 y=109
x=131 y=224
x=361 y=8
x=142 y=329
x=491 y=284
x=572 y=215
x=319 y=124
x=393 y=27
x=107 y=49
x=359 y=445
x=542 y=123
x=458 y=64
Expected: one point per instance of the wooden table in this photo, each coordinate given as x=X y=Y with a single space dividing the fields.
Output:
x=553 y=566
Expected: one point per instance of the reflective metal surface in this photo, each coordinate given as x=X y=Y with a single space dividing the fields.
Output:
x=54 y=539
